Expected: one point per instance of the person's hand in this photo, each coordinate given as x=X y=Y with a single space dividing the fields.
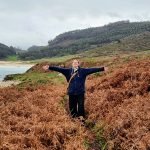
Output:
x=105 y=68
x=45 y=67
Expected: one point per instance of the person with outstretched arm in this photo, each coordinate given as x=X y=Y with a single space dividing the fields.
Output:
x=76 y=77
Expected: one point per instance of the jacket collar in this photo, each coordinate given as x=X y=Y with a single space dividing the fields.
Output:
x=72 y=69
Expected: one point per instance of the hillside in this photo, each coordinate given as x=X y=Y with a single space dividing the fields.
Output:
x=134 y=43
x=34 y=114
x=6 y=51
x=78 y=41
x=120 y=101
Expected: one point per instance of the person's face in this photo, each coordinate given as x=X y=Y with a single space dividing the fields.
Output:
x=75 y=64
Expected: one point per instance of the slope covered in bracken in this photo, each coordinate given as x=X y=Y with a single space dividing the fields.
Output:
x=33 y=118
x=117 y=102
x=121 y=100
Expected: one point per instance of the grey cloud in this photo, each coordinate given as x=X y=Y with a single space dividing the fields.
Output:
x=28 y=22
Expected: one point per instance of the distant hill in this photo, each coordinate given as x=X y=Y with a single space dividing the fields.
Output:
x=34 y=47
x=133 y=43
x=78 y=41
x=16 y=49
x=6 y=51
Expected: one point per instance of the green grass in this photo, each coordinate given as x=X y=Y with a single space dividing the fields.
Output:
x=34 y=78
x=12 y=58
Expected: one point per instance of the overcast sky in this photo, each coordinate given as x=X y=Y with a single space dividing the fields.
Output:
x=24 y=23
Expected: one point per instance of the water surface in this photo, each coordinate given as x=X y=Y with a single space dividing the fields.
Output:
x=12 y=69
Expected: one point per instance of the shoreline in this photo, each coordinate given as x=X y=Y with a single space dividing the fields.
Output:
x=16 y=63
x=9 y=83
x=3 y=64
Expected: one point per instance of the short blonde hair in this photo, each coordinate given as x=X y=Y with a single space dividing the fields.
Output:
x=75 y=60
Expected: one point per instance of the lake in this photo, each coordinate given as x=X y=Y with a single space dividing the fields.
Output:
x=12 y=69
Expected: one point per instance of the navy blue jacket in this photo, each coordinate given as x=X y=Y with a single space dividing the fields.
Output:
x=77 y=84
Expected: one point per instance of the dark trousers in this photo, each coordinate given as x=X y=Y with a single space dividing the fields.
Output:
x=76 y=105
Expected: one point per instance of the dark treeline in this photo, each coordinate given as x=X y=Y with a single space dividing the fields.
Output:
x=6 y=51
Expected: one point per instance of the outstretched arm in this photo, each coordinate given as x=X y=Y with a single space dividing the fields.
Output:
x=56 y=68
x=93 y=70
